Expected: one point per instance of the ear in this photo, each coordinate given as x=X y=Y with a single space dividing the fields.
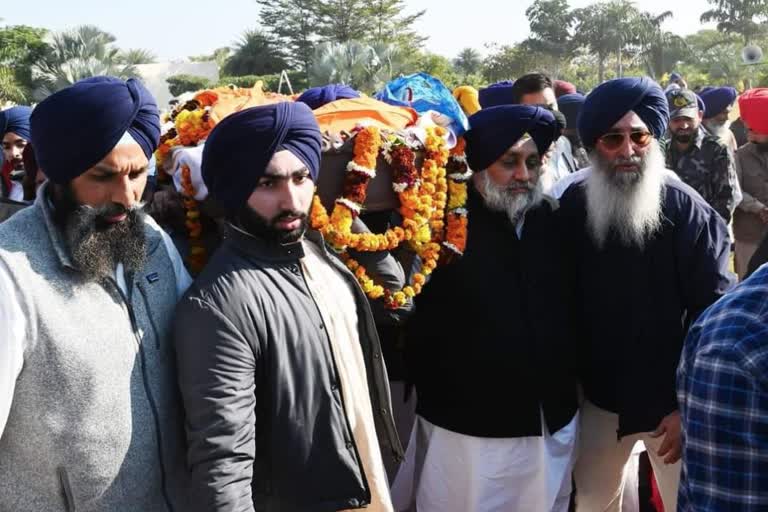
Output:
x=701 y=116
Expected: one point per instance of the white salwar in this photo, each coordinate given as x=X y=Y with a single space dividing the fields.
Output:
x=449 y=472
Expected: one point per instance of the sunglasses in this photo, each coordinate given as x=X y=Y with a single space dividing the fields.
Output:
x=615 y=140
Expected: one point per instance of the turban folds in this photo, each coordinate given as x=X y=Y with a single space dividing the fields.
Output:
x=753 y=106
x=717 y=99
x=497 y=94
x=316 y=97
x=75 y=128
x=612 y=100
x=562 y=88
x=16 y=120
x=494 y=130
x=240 y=147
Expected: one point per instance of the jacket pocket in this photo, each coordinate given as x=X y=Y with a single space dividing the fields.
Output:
x=66 y=488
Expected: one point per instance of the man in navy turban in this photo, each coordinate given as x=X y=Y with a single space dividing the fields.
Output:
x=277 y=336
x=14 y=130
x=649 y=251
x=509 y=272
x=316 y=97
x=570 y=105
x=497 y=94
x=719 y=103
x=88 y=284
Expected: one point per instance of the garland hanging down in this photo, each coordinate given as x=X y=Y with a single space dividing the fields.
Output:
x=425 y=195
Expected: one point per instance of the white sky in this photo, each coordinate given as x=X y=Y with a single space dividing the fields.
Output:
x=179 y=28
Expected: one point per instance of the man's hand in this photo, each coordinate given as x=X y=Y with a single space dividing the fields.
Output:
x=672 y=447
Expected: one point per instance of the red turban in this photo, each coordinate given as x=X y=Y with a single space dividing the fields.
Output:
x=753 y=105
x=562 y=88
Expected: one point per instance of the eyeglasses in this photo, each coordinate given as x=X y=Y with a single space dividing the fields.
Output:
x=615 y=140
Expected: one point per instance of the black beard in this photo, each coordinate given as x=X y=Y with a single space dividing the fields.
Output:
x=97 y=246
x=264 y=228
x=682 y=139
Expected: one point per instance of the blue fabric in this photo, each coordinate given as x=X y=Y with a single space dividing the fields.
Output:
x=316 y=97
x=717 y=99
x=240 y=147
x=570 y=105
x=16 y=120
x=611 y=100
x=75 y=128
x=722 y=388
x=497 y=94
x=494 y=130
x=423 y=92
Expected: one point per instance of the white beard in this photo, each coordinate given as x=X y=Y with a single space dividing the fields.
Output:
x=719 y=130
x=629 y=205
x=498 y=198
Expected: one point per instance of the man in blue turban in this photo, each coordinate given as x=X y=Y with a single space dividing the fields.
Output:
x=280 y=367
x=497 y=94
x=570 y=105
x=316 y=97
x=649 y=251
x=14 y=130
x=719 y=104
x=89 y=414
x=517 y=448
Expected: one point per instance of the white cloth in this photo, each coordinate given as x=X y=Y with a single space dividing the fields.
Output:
x=13 y=322
x=449 y=472
x=603 y=462
x=192 y=157
x=17 y=191
x=336 y=303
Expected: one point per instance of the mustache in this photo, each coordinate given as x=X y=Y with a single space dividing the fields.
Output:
x=289 y=214
x=520 y=184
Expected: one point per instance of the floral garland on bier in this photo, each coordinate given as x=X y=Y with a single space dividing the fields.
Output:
x=425 y=197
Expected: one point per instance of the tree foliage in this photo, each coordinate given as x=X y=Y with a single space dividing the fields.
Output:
x=256 y=53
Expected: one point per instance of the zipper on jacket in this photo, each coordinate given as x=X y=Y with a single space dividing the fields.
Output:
x=147 y=390
x=66 y=487
x=352 y=441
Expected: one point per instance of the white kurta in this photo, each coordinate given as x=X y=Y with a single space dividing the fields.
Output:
x=449 y=472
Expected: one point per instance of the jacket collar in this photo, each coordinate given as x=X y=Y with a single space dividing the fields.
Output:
x=268 y=250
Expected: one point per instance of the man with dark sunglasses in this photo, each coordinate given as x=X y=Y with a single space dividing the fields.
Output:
x=650 y=255
x=701 y=159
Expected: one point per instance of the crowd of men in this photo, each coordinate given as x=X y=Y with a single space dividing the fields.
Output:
x=593 y=308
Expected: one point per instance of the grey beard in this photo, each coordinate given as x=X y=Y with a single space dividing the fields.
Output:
x=718 y=130
x=627 y=204
x=96 y=250
x=499 y=198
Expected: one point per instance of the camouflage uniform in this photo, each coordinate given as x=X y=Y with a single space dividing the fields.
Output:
x=708 y=167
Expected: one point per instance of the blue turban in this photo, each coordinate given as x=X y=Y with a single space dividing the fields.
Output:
x=316 y=97
x=75 y=128
x=570 y=105
x=717 y=99
x=240 y=147
x=16 y=120
x=611 y=100
x=494 y=130
x=497 y=94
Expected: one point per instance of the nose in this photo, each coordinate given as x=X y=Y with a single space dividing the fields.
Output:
x=626 y=150
x=290 y=198
x=123 y=192
x=521 y=172
x=16 y=152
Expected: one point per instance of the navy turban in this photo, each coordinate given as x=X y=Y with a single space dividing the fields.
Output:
x=492 y=131
x=239 y=149
x=16 y=120
x=316 y=97
x=497 y=94
x=75 y=128
x=717 y=99
x=570 y=105
x=611 y=100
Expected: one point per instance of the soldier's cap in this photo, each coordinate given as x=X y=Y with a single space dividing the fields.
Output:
x=683 y=103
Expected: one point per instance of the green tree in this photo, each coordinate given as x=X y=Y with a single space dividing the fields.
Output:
x=10 y=88
x=551 y=24
x=179 y=84
x=605 y=29
x=136 y=56
x=658 y=49
x=745 y=18
x=389 y=24
x=256 y=53
x=362 y=66
x=341 y=21
x=20 y=47
x=507 y=62
x=79 y=53
x=468 y=62
x=293 y=23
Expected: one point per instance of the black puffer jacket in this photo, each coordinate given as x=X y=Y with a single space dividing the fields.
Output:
x=266 y=425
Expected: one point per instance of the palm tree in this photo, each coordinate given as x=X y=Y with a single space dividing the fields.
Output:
x=137 y=56
x=468 y=62
x=256 y=53
x=362 y=66
x=82 y=52
x=742 y=17
x=658 y=49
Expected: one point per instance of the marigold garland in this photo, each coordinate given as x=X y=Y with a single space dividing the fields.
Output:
x=456 y=219
x=423 y=199
x=197 y=253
